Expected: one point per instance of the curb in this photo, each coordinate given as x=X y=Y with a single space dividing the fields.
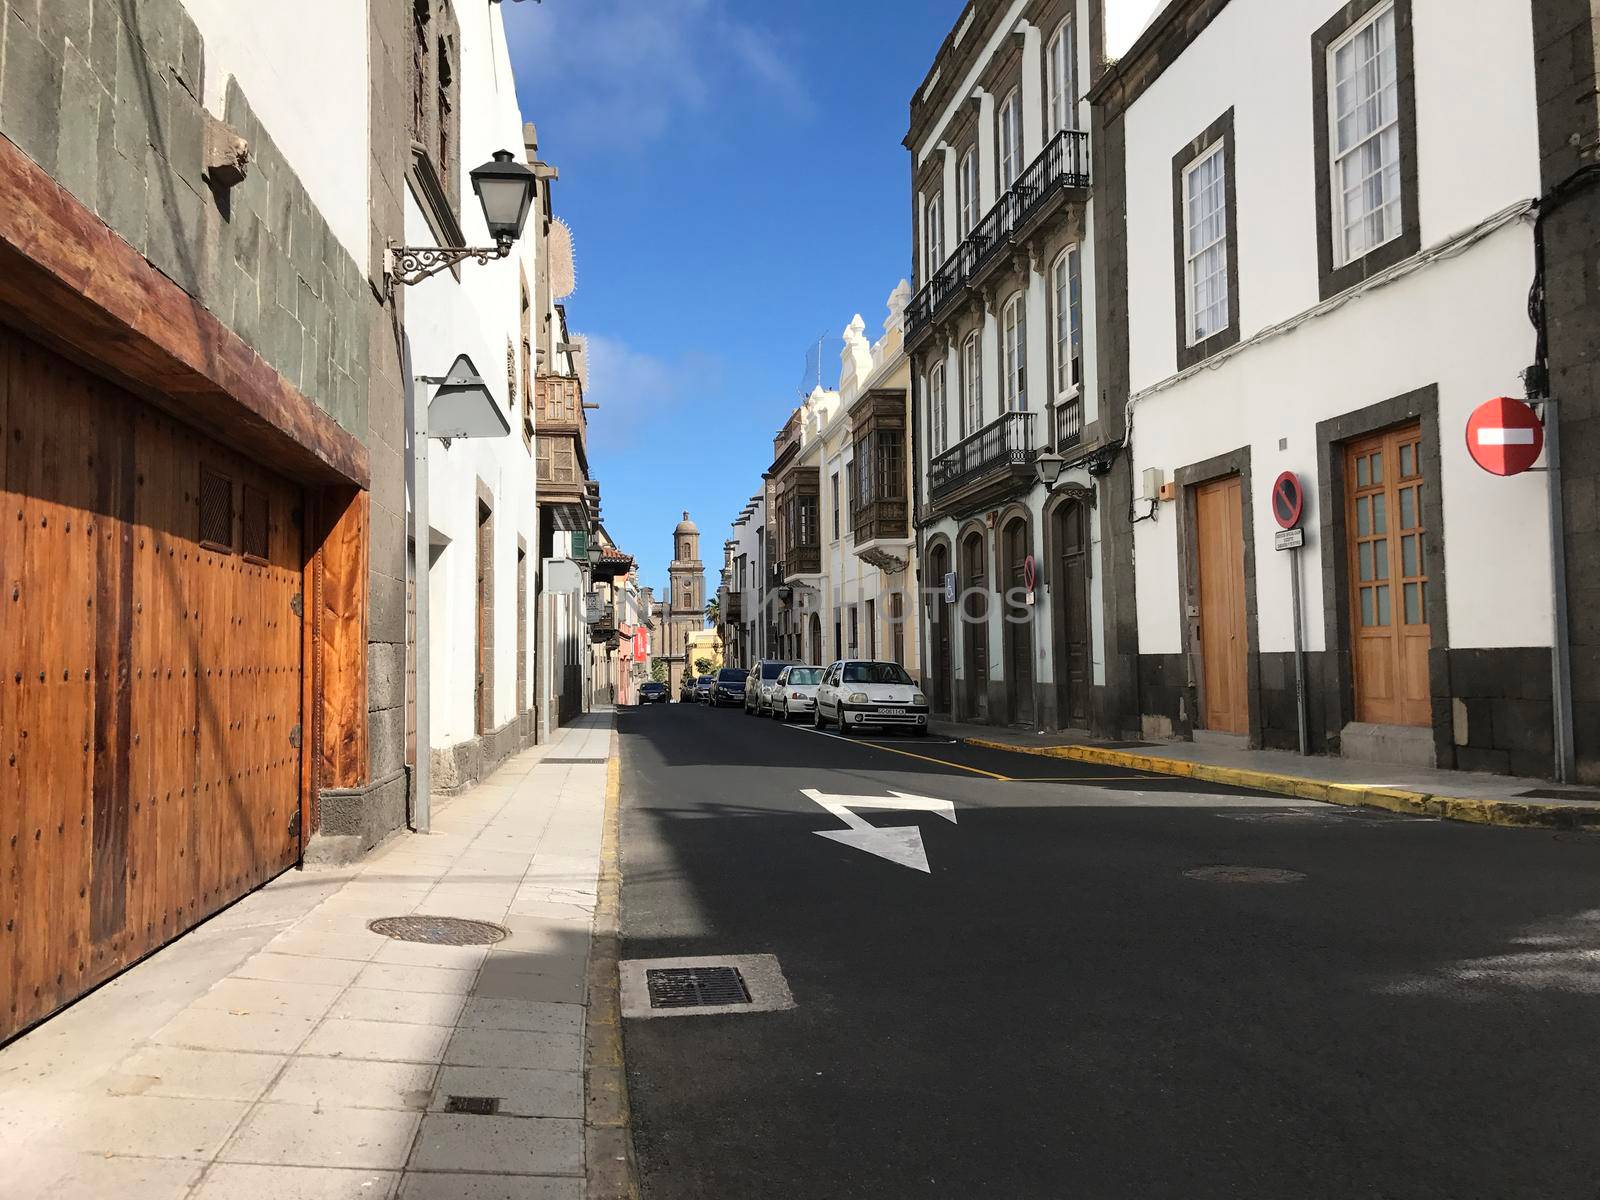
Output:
x=608 y=1132
x=1472 y=810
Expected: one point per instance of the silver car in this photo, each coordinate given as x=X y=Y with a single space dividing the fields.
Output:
x=758 y=689
x=795 y=694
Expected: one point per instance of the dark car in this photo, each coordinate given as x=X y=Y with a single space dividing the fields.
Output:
x=728 y=687
x=654 y=693
x=686 y=690
x=702 y=689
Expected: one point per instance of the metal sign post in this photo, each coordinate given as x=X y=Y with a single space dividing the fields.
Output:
x=1288 y=505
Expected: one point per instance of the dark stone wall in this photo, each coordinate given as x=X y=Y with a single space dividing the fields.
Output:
x=1566 y=47
x=1502 y=698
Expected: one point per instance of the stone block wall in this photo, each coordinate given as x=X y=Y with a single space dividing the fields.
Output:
x=106 y=96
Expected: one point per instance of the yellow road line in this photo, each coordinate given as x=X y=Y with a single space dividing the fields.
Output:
x=937 y=761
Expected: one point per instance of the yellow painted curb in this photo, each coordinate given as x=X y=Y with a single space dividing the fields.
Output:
x=608 y=1128
x=1475 y=810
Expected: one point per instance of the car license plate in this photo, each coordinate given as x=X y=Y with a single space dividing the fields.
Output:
x=892 y=712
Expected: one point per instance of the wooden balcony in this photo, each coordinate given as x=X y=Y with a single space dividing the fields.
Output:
x=562 y=469
x=882 y=519
x=993 y=464
x=802 y=560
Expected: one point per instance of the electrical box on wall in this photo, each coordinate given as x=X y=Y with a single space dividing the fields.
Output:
x=1153 y=477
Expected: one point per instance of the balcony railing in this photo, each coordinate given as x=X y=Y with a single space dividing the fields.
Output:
x=999 y=448
x=802 y=560
x=883 y=518
x=1069 y=422
x=1064 y=163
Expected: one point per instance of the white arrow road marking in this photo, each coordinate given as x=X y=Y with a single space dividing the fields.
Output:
x=1505 y=437
x=900 y=844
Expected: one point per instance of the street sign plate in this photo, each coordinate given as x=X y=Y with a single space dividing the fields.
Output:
x=1288 y=500
x=1289 y=539
x=950 y=587
x=1504 y=436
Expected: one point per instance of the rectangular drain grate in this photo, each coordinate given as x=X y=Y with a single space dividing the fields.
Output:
x=476 y=1106
x=696 y=987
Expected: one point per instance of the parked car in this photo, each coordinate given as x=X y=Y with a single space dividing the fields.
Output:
x=728 y=687
x=856 y=693
x=795 y=693
x=686 y=689
x=758 y=689
x=702 y=690
x=654 y=693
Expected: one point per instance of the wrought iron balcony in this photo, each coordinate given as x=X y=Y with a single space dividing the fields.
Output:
x=1063 y=164
x=995 y=461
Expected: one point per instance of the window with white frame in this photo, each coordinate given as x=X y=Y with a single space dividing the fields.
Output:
x=1066 y=289
x=1205 y=242
x=1061 y=90
x=1365 y=101
x=1010 y=139
x=934 y=235
x=967 y=191
x=971 y=385
x=938 y=414
x=1014 y=353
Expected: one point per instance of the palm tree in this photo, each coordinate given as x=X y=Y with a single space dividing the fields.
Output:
x=714 y=611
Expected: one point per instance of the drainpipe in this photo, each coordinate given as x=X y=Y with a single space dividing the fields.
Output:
x=422 y=775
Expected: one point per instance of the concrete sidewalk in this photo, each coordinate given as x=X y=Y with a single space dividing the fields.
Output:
x=284 y=1050
x=1451 y=795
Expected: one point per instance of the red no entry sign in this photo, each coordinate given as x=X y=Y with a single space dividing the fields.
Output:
x=1504 y=436
x=1288 y=500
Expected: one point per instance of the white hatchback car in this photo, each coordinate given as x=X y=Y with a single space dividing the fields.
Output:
x=795 y=693
x=856 y=693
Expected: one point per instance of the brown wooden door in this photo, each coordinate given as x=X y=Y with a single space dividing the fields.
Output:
x=150 y=702
x=1018 y=624
x=975 y=601
x=1388 y=579
x=1072 y=594
x=1224 y=645
x=483 y=685
x=942 y=616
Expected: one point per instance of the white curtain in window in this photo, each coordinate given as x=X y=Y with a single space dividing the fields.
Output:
x=967 y=191
x=1014 y=353
x=938 y=416
x=935 y=234
x=1206 y=245
x=1060 y=82
x=1010 y=140
x=1366 y=141
x=971 y=386
x=1067 y=289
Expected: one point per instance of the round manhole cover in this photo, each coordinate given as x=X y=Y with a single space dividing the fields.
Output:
x=1244 y=875
x=439 y=931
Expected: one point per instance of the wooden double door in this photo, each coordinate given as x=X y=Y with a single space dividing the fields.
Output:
x=151 y=645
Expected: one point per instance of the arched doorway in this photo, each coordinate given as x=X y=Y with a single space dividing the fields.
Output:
x=940 y=614
x=816 y=639
x=975 y=625
x=1018 y=621
x=1069 y=583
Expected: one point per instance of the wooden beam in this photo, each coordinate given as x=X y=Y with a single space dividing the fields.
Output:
x=343 y=632
x=68 y=278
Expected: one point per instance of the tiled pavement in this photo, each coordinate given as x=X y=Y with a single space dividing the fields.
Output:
x=286 y=1051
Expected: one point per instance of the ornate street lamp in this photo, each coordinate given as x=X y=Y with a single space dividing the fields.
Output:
x=505 y=190
x=1049 y=466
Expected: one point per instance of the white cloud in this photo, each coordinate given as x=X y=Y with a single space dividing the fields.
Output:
x=636 y=390
x=621 y=72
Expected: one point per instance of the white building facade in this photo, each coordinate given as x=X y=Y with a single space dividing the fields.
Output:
x=1004 y=369
x=1327 y=261
x=482 y=512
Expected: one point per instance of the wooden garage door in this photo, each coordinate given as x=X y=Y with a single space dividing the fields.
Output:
x=151 y=650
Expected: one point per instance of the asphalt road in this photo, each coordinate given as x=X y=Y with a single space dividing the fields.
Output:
x=1056 y=1009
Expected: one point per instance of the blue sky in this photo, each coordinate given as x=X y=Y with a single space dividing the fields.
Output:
x=733 y=175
